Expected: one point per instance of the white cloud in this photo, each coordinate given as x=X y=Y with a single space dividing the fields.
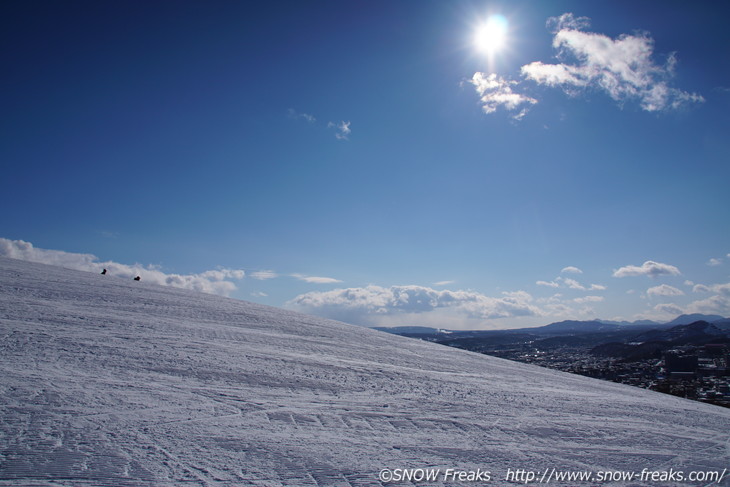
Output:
x=573 y=284
x=362 y=305
x=321 y=280
x=664 y=290
x=648 y=268
x=723 y=289
x=304 y=116
x=589 y=299
x=714 y=262
x=570 y=284
x=669 y=309
x=717 y=304
x=495 y=91
x=259 y=294
x=567 y=21
x=555 y=298
x=216 y=281
x=264 y=275
x=712 y=305
x=688 y=283
x=621 y=67
x=343 y=129
x=700 y=288
x=559 y=309
x=571 y=269
x=443 y=283
x=221 y=274
x=552 y=74
x=316 y=280
x=587 y=311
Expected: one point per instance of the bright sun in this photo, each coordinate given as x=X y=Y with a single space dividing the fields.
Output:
x=490 y=37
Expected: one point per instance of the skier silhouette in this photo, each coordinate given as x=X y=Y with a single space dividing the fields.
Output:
x=137 y=278
x=103 y=272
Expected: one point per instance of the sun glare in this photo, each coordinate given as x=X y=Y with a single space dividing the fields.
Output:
x=490 y=37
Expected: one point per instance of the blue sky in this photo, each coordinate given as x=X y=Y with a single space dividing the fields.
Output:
x=367 y=161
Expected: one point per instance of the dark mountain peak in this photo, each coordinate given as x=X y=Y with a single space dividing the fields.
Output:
x=691 y=318
x=577 y=326
x=700 y=329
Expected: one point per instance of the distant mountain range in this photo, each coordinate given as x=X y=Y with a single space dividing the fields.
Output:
x=629 y=341
x=565 y=327
x=654 y=342
x=687 y=319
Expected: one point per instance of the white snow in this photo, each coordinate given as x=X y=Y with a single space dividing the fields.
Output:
x=111 y=382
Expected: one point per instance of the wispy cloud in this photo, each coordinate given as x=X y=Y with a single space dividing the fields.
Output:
x=622 y=67
x=495 y=92
x=316 y=280
x=723 y=289
x=714 y=262
x=443 y=283
x=342 y=129
x=217 y=281
x=263 y=275
x=362 y=305
x=718 y=304
x=648 y=268
x=589 y=299
x=570 y=283
x=664 y=290
x=109 y=234
x=573 y=284
x=668 y=310
x=301 y=116
x=571 y=270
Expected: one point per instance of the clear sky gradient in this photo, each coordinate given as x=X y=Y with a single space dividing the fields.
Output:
x=368 y=161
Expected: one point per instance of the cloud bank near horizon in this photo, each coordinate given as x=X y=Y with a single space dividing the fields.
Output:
x=361 y=305
x=217 y=281
x=378 y=305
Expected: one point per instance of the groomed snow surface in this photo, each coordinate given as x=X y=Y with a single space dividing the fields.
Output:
x=109 y=382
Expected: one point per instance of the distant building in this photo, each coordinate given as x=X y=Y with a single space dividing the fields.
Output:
x=681 y=376
x=715 y=349
x=680 y=363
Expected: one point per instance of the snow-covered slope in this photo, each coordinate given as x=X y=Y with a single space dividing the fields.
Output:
x=109 y=382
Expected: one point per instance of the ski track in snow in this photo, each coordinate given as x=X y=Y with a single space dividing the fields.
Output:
x=106 y=382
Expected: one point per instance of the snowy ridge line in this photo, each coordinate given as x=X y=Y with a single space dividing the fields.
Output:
x=116 y=383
